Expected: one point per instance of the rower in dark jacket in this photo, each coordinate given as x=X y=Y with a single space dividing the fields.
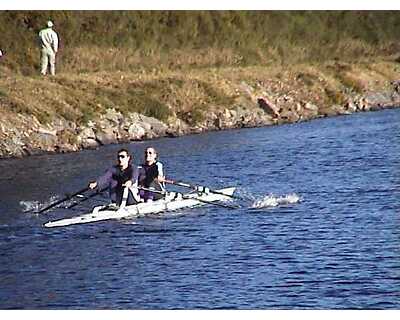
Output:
x=119 y=176
x=151 y=175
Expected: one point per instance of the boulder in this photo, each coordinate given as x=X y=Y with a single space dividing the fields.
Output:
x=288 y=115
x=311 y=108
x=378 y=100
x=87 y=138
x=13 y=147
x=66 y=141
x=106 y=136
x=159 y=128
x=89 y=143
x=136 y=131
x=60 y=124
x=268 y=107
x=350 y=106
x=113 y=116
x=218 y=123
x=87 y=133
x=333 y=110
x=177 y=127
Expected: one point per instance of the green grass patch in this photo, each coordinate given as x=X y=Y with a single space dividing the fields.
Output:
x=194 y=116
x=335 y=97
x=154 y=38
x=3 y=94
x=307 y=78
x=351 y=82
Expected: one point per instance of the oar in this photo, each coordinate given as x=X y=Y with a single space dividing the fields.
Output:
x=201 y=189
x=187 y=197
x=87 y=198
x=68 y=197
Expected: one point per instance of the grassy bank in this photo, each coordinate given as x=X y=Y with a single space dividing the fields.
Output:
x=93 y=41
x=187 y=66
x=188 y=94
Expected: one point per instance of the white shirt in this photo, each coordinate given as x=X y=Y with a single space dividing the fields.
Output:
x=49 y=39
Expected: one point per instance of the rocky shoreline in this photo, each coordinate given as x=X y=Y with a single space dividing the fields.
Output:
x=23 y=135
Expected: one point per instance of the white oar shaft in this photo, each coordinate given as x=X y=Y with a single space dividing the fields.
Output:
x=200 y=189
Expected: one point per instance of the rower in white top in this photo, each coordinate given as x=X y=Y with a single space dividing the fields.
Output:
x=151 y=176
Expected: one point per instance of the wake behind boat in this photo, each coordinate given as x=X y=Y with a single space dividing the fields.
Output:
x=172 y=201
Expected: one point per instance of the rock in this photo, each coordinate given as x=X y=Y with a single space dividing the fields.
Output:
x=226 y=114
x=177 y=128
x=307 y=111
x=312 y=108
x=47 y=131
x=43 y=141
x=362 y=104
x=60 y=124
x=289 y=115
x=339 y=109
x=136 y=131
x=13 y=147
x=218 y=123
x=233 y=114
x=113 y=116
x=123 y=135
x=90 y=143
x=146 y=126
x=378 y=100
x=155 y=125
x=196 y=130
x=67 y=136
x=133 y=117
x=350 y=106
x=333 y=110
x=106 y=136
x=266 y=105
x=87 y=138
x=87 y=133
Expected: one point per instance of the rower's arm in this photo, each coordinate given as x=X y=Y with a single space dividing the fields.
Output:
x=134 y=187
x=104 y=180
x=160 y=170
x=135 y=192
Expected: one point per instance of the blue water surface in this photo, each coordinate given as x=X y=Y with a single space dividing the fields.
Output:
x=338 y=248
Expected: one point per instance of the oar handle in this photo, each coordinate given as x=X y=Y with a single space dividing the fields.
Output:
x=87 y=198
x=151 y=190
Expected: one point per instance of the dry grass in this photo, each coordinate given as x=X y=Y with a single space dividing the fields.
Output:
x=187 y=93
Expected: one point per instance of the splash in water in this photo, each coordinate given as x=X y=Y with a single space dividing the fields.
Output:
x=29 y=206
x=274 y=201
x=34 y=206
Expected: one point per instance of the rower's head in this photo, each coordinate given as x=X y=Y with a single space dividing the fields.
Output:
x=150 y=155
x=124 y=158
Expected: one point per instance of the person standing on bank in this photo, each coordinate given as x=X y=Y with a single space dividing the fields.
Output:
x=116 y=178
x=48 y=39
x=151 y=175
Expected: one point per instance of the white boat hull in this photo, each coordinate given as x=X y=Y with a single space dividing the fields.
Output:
x=101 y=213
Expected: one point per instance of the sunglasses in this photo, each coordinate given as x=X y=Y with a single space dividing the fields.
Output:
x=148 y=152
x=122 y=156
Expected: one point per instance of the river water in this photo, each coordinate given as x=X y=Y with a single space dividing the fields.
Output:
x=321 y=230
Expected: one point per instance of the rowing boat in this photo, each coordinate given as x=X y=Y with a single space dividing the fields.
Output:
x=172 y=201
